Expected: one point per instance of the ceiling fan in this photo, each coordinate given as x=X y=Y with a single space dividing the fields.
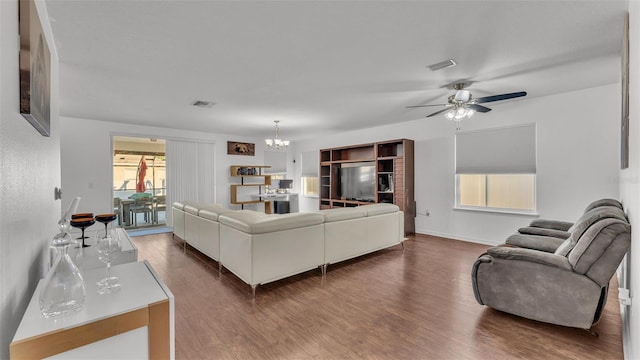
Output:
x=462 y=104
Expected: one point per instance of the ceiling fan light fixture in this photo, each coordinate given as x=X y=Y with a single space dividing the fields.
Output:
x=462 y=95
x=442 y=65
x=470 y=113
x=450 y=115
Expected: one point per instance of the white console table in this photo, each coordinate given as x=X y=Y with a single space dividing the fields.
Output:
x=136 y=322
x=88 y=259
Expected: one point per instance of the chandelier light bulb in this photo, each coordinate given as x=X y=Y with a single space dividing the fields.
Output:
x=470 y=113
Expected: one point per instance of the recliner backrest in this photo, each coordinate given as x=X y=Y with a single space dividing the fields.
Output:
x=585 y=221
x=603 y=202
x=600 y=249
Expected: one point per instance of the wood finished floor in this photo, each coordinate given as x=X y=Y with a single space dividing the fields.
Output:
x=416 y=304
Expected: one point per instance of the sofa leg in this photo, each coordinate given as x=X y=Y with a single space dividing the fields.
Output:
x=402 y=243
x=253 y=291
x=219 y=268
x=323 y=269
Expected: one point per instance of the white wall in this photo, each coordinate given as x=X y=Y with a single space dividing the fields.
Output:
x=29 y=171
x=630 y=191
x=87 y=159
x=577 y=160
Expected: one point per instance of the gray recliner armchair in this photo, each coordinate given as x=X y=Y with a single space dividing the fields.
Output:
x=566 y=287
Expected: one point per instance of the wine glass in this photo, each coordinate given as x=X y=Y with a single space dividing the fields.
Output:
x=82 y=221
x=106 y=219
x=108 y=248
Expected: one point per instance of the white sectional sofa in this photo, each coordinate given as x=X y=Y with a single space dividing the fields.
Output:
x=177 y=214
x=260 y=248
x=351 y=232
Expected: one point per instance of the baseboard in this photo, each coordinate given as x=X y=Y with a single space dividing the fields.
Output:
x=627 y=347
x=456 y=237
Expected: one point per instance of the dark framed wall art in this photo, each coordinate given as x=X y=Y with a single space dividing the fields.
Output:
x=624 y=125
x=35 y=69
x=241 y=148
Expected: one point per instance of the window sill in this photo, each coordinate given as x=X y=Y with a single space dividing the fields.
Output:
x=498 y=211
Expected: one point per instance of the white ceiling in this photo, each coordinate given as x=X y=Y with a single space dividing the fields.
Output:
x=319 y=66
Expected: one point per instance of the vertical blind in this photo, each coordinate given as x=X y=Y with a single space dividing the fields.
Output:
x=508 y=150
x=310 y=163
x=190 y=172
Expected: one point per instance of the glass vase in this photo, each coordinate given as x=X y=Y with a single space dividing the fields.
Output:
x=63 y=290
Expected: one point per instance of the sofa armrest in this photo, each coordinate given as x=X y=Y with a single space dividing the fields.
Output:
x=533 y=230
x=535 y=242
x=540 y=257
x=551 y=224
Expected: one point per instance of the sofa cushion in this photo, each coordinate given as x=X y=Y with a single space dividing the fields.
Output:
x=192 y=209
x=212 y=211
x=253 y=222
x=379 y=209
x=341 y=214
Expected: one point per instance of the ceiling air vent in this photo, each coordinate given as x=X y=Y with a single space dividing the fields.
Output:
x=442 y=65
x=202 y=104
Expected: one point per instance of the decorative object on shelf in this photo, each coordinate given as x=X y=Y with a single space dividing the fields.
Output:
x=243 y=171
x=82 y=221
x=276 y=143
x=63 y=290
x=241 y=148
x=35 y=71
x=109 y=248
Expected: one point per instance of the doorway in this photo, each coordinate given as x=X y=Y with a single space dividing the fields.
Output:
x=139 y=182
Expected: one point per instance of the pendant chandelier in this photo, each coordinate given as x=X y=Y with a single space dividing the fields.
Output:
x=276 y=143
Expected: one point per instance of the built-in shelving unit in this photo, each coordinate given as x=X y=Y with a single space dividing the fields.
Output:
x=248 y=172
x=394 y=175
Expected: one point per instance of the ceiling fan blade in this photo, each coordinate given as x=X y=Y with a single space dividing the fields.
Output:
x=438 y=112
x=479 y=108
x=418 y=106
x=487 y=99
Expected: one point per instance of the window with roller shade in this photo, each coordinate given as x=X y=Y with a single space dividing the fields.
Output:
x=278 y=162
x=310 y=180
x=496 y=169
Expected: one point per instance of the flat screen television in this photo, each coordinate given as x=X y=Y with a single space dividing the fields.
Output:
x=357 y=181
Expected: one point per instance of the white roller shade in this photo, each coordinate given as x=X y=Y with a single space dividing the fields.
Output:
x=509 y=150
x=310 y=163
x=277 y=160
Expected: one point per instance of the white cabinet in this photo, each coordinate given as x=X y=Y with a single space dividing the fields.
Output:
x=135 y=322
